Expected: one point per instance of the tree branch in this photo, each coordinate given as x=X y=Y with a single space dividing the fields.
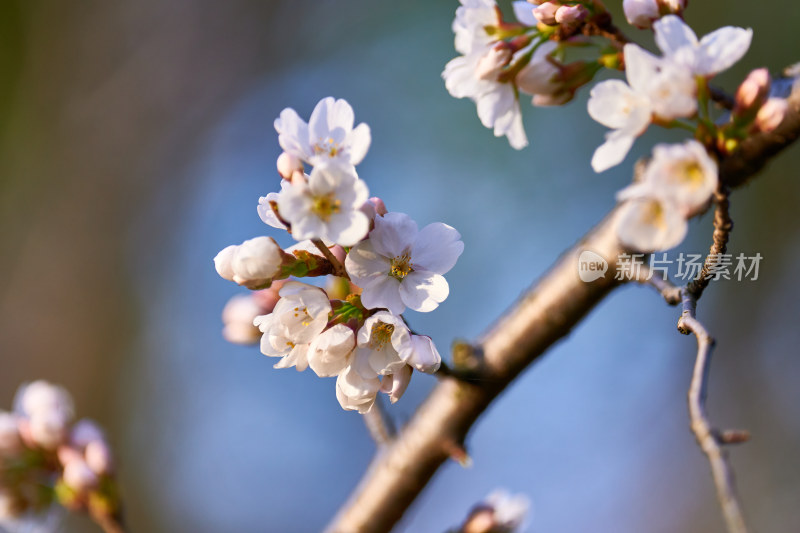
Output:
x=379 y=424
x=544 y=314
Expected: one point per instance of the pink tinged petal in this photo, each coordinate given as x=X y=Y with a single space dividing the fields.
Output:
x=672 y=34
x=394 y=234
x=318 y=123
x=425 y=356
x=383 y=292
x=293 y=133
x=265 y=212
x=396 y=384
x=364 y=264
x=524 y=13
x=720 y=49
x=436 y=248
x=613 y=151
x=359 y=141
x=640 y=67
x=423 y=291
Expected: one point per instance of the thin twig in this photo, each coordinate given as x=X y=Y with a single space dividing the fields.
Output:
x=668 y=290
x=710 y=440
x=338 y=268
x=722 y=230
x=379 y=424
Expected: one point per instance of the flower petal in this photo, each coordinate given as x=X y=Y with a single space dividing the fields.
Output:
x=383 y=292
x=672 y=34
x=394 y=234
x=437 y=248
x=359 y=141
x=364 y=264
x=524 y=13
x=720 y=49
x=318 y=123
x=613 y=151
x=423 y=291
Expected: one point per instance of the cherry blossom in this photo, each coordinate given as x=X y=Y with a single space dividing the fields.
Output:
x=330 y=352
x=252 y=264
x=326 y=206
x=329 y=135
x=712 y=54
x=649 y=224
x=399 y=266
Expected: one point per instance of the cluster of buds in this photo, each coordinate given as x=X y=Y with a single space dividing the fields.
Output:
x=500 y=512
x=382 y=264
x=499 y=59
x=46 y=457
x=642 y=13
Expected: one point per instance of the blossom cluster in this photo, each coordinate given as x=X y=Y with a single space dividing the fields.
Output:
x=380 y=264
x=500 y=512
x=46 y=456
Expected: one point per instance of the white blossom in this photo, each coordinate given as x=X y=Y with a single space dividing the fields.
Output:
x=9 y=433
x=474 y=74
x=42 y=398
x=712 y=54
x=299 y=316
x=98 y=457
x=326 y=206
x=399 y=266
x=78 y=476
x=395 y=385
x=265 y=212
x=329 y=135
x=681 y=174
x=510 y=511
x=356 y=392
x=655 y=87
x=331 y=351
x=385 y=344
x=649 y=224
x=252 y=264
x=538 y=77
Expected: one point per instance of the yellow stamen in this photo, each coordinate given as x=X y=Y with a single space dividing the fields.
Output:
x=381 y=334
x=401 y=266
x=326 y=205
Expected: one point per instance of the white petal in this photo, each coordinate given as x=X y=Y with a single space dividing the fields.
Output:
x=296 y=358
x=719 y=50
x=613 y=151
x=423 y=291
x=318 y=123
x=524 y=13
x=436 y=248
x=293 y=133
x=495 y=103
x=364 y=264
x=610 y=103
x=223 y=262
x=265 y=212
x=640 y=67
x=394 y=234
x=649 y=225
x=330 y=352
x=396 y=384
x=340 y=115
x=359 y=141
x=672 y=34
x=383 y=292
x=348 y=228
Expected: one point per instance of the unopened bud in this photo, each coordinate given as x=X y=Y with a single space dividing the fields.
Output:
x=546 y=13
x=674 y=7
x=771 y=114
x=237 y=316
x=78 y=476
x=380 y=207
x=571 y=14
x=396 y=384
x=753 y=91
x=98 y=457
x=641 y=13
x=490 y=65
x=288 y=164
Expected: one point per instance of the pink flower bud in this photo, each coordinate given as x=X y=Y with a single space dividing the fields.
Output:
x=68 y=454
x=98 y=457
x=288 y=164
x=380 y=207
x=491 y=64
x=546 y=13
x=571 y=14
x=641 y=13
x=675 y=7
x=753 y=91
x=237 y=316
x=78 y=476
x=771 y=114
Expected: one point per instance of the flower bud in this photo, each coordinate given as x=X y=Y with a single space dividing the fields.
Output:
x=67 y=454
x=237 y=316
x=571 y=14
x=251 y=264
x=546 y=13
x=771 y=114
x=223 y=262
x=490 y=65
x=396 y=384
x=380 y=207
x=48 y=431
x=98 y=457
x=10 y=441
x=424 y=356
x=753 y=91
x=674 y=7
x=641 y=13
x=288 y=164
x=78 y=476
x=43 y=398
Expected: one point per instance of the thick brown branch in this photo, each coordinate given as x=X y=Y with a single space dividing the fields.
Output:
x=544 y=314
x=710 y=440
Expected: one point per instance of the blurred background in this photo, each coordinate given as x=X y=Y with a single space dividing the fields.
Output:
x=135 y=140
